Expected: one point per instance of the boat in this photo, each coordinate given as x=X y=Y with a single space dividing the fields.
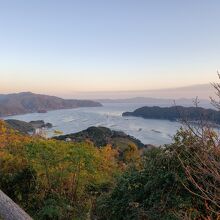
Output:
x=57 y=132
x=42 y=111
x=156 y=131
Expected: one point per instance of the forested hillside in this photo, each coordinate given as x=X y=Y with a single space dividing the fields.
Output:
x=52 y=179
x=176 y=113
x=102 y=136
x=27 y=102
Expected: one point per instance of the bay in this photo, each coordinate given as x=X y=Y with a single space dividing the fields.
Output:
x=149 y=131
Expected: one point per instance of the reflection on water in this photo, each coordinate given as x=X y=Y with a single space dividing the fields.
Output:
x=149 y=131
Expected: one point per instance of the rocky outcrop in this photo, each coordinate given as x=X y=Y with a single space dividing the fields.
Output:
x=10 y=210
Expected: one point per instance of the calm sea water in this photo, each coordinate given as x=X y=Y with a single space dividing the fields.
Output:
x=149 y=131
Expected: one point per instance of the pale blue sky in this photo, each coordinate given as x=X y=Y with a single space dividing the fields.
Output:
x=61 y=46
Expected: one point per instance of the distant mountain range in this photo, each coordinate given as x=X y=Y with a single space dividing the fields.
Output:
x=187 y=102
x=202 y=91
x=27 y=102
x=177 y=113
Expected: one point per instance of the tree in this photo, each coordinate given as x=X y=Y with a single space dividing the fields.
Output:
x=201 y=160
x=9 y=140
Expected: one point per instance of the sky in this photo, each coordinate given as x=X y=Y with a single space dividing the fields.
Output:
x=68 y=46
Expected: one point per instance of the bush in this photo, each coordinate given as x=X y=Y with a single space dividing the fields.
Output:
x=161 y=190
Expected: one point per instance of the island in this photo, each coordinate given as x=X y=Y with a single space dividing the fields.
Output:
x=176 y=113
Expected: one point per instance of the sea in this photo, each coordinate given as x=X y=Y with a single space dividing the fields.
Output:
x=149 y=131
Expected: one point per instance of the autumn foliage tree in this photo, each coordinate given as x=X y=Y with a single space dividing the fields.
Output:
x=54 y=179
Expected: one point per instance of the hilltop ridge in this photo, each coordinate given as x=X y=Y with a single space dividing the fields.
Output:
x=28 y=102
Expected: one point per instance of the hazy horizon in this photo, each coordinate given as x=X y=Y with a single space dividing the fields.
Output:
x=72 y=47
x=202 y=91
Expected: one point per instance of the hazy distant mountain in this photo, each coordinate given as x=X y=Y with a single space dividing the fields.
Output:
x=27 y=102
x=203 y=91
x=160 y=102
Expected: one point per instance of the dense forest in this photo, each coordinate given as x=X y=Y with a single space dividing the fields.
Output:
x=52 y=179
x=176 y=113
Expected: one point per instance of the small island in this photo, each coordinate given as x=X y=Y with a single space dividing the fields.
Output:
x=176 y=113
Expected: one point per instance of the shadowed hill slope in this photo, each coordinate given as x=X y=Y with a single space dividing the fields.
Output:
x=27 y=102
